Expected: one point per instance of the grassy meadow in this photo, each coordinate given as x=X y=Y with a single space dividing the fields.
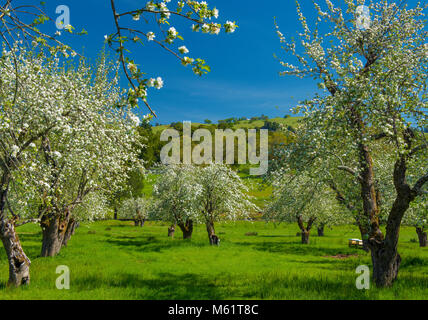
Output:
x=116 y=260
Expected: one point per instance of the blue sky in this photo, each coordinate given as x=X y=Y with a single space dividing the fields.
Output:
x=243 y=81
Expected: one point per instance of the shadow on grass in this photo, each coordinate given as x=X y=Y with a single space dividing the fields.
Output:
x=413 y=262
x=151 y=244
x=165 y=286
x=276 y=236
x=295 y=248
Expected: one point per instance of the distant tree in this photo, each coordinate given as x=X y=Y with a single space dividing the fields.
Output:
x=299 y=198
x=151 y=144
x=225 y=125
x=176 y=193
x=223 y=196
x=271 y=125
x=135 y=209
x=208 y=121
x=177 y=126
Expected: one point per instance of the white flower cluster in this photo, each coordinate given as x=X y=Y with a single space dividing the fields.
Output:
x=73 y=140
x=157 y=83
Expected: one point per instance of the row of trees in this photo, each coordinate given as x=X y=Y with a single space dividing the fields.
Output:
x=184 y=195
x=68 y=139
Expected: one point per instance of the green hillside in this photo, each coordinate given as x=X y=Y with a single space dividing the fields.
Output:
x=244 y=124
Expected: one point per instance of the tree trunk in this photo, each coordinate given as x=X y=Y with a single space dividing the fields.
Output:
x=386 y=263
x=71 y=227
x=212 y=237
x=186 y=228
x=115 y=213
x=53 y=230
x=19 y=264
x=171 y=231
x=139 y=222
x=305 y=237
x=305 y=230
x=422 y=237
x=320 y=231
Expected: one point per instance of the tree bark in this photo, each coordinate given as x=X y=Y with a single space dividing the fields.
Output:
x=53 y=234
x=386 y=263
x=321 y=231
x=422 y=236
x=212 y=237
x=19 y=263
x=186 y=228
x=305 y=230
x=305 y=237
x=71 y=227
x=364 y=236
x=171 y=231
x=385 y=258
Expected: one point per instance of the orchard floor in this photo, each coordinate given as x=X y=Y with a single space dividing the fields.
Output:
x=115 y=260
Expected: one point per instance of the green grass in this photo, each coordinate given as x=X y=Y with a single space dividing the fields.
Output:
x=127 y=262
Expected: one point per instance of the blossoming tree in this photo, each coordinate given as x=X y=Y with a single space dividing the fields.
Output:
x=301 y=198
x=176 y=193
x=373 y=77
x=223 y=196
x=62 y=137
x=91 y=151
x=26 y=116
x=136 y=209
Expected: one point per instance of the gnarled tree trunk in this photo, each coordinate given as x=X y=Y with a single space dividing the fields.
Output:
x=385 y=258
x=422 y=236
x=186 y=228
x=386 y=263
x=54 y=229
x=19 y=263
